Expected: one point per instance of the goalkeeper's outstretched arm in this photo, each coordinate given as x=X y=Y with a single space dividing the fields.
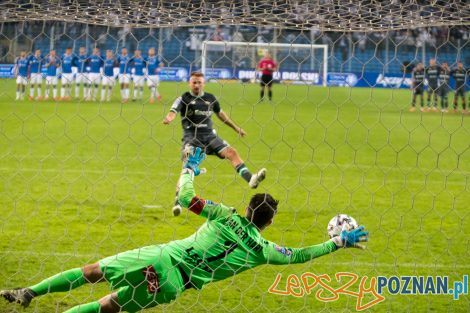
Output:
x=346 y=239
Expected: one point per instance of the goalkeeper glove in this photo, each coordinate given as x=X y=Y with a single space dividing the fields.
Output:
x=348 y=239
x=195 y=157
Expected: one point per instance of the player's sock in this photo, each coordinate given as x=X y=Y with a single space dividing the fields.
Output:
x=77 y=91
x=64 y=281
x=31 y=91
x=270 y=95
x=136 y=91
x=126 y=93
x=39 y=91
x=62 y=92
x=92 y=307
x=17 y=95
x=244 y=172
x=261 y=96
x=54 y=91
x=110 y=91
x=141 y=92
x=103 y=93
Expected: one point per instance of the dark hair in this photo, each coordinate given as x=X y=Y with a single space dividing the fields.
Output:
x=196 y=74
x=261 y=209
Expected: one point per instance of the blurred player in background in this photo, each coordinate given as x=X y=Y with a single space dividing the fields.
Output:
x=108 y=76
x=153 y=67
x=68 y=60
x=82 y=76
x=460 y=75
x=443 y=89
x=124 y=74
x=417 y=85
x=35 y=68
x=21 y=73
x=196 y=108
x=267 y=66
x=227 y=244
x=96 y=62
x=138 y=64
x=432 y=75
x=52 y=64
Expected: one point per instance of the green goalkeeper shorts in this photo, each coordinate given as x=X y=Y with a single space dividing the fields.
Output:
x=144 y=277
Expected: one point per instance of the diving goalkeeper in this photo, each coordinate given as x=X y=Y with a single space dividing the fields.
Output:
x=227 y=244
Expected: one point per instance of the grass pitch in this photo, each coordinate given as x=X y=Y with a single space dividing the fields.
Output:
x=80 y=181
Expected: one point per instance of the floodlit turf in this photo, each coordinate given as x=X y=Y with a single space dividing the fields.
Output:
x=80 y=181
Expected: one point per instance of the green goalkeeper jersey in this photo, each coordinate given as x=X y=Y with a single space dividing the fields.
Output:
x=228 y=244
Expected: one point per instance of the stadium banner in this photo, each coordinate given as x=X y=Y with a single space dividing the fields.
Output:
x=366 y=79
x=6 y=71
x=174 y=74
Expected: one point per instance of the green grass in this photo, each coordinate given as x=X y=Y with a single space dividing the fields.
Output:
x=81 y=180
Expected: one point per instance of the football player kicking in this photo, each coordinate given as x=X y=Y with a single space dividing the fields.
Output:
x=226 y=245
x=196 y=108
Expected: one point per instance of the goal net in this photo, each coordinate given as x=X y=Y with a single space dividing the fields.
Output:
x=300 y=63
x=82 y=179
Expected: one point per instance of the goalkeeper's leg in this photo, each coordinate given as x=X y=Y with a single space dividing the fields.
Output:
x=64 y=281
x=107 y=304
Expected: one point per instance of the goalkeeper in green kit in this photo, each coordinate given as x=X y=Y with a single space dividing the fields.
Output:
x=227 y=244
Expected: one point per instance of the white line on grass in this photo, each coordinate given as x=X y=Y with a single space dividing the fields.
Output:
x=361 y=264
x=151 y=206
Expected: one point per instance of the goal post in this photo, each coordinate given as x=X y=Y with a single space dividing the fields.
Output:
x=311 y=61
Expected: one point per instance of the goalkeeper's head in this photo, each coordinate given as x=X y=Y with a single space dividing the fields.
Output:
x=261 y=210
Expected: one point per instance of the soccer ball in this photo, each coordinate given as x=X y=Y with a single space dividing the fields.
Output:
x=335 y=226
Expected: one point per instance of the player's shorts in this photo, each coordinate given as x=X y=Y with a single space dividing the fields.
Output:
x=51 y=80
x=460 y=92
x=108 y=81
x=67 y=78
x=139 y=80
x=266 y=80
x=124 y=78
x=419 y=90
x=36 y=78
x=144 y=277
x=94 y=78
x=443 y=90
x=81 y=78
x=209 y=142
x=153 y=81
x=432 y=88
x=21 y=80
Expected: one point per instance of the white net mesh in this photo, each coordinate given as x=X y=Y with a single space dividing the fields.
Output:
x=327 y=15
x=81 y=180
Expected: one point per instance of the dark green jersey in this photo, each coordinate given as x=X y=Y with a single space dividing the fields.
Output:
x=460 y=77
x=432 y=74
x=228 y=244
x=196 y=111
x=418 y=77
x=444 y=76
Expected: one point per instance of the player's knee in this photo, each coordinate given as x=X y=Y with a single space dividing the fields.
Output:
x=231 y=153
x=93 y=273
x=109 y=304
